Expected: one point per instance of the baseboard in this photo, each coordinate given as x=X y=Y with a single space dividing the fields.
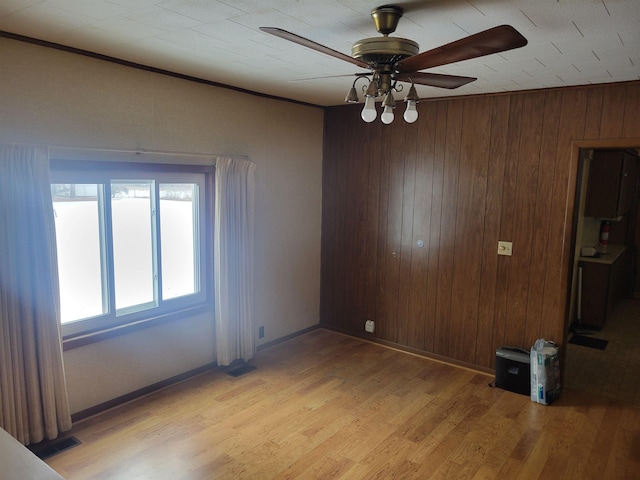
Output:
x=287 y=337
x=413 y=351
x=128 y=397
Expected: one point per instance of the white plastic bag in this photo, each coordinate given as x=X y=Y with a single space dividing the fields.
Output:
x=545 y=372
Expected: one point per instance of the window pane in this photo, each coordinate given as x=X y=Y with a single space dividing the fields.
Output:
x=178 y=233
x=127 y=242
x=78 y=238
x=133 y=245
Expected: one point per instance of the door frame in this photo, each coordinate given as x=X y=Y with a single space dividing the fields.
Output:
x=576 y=177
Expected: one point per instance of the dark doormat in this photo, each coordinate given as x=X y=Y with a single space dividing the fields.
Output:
x=589 y=342
x=241 y=370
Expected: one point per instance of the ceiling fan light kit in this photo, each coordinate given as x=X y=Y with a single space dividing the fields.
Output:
x=388 y=105
x=412 y=98
x=369 y=113
x=386 y=18
x=391 y=60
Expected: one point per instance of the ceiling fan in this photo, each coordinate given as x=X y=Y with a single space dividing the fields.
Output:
x=391 y=60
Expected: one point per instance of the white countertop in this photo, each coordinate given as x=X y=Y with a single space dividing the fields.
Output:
x=607 y=255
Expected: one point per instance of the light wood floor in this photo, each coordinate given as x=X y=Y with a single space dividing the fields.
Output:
x=328 y=406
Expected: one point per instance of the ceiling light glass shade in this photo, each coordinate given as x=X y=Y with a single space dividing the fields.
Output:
x=411 y=113
x=352 y=96
x=369 y=113
x=387 y=115
x=372 y=89
x=412 y=95
x=388 y=100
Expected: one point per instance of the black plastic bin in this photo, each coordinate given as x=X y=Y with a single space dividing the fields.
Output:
x=513 y=370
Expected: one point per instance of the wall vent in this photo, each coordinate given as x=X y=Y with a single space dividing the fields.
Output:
x=241 y=370
x=49 y=448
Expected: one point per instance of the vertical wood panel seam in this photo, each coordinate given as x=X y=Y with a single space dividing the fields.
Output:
x=438 y=321
x=516 y=156
x=483 y=236
x=544 y=277
x=455 y=224
x=512 y=270
x=537 y=198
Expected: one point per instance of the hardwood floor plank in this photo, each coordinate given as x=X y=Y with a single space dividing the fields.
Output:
x=624 y=461
x=327 y=406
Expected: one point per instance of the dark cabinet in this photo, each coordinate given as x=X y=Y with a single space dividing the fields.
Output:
x=611 y=186
x=604 y=284
x=595 y=294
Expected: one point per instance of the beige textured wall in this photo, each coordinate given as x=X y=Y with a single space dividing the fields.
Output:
x=50 y=97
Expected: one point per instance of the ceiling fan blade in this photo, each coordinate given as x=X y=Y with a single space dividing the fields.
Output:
x=328 y=76
x=494 y=40
x=435 y=79
x=292 y=37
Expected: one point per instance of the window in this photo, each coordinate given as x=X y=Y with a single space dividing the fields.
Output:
x=130 y=243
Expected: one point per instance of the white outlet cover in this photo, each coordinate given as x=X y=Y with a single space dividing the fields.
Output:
x=369 y=326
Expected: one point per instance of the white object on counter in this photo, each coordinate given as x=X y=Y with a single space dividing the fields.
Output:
x=607 y=255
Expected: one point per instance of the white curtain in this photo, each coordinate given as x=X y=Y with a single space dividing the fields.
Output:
x=233 y=259
x=33 y=395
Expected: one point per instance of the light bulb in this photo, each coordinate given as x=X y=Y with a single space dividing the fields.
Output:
x=387 y=115
x=411 y=114
x=369 y=113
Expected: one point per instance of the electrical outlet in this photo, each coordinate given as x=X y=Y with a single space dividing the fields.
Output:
x=369 y=326
x=261 y=332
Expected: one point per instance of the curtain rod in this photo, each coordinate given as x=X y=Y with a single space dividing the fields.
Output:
x=57 y=150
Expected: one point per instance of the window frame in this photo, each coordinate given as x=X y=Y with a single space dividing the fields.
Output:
x=89 y=330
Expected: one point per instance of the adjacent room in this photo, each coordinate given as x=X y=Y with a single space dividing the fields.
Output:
x=292 y=239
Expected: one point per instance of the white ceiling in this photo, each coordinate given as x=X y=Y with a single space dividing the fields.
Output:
x=571 y=42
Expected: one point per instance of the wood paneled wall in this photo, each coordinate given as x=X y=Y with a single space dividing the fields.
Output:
x=471 y=171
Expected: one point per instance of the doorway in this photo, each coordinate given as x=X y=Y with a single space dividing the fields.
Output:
x=602 y=355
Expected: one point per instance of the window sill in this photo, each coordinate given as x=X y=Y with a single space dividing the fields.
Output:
x=81 y=339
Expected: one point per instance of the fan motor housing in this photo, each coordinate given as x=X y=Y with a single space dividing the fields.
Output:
x=384 y=50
